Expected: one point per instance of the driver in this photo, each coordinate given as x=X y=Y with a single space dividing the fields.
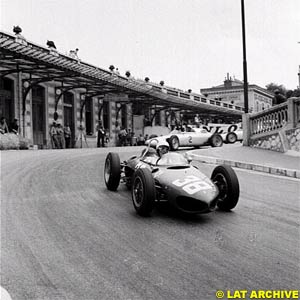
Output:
x=162 y=148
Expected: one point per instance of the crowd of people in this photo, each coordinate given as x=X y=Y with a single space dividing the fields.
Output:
x=60 y=136
x=13 y=127
x=127 y=138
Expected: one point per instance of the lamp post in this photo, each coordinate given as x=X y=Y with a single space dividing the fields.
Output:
x=244 y=59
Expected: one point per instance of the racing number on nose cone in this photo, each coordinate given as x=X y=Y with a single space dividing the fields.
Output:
x=112 y=171
x=192 y=184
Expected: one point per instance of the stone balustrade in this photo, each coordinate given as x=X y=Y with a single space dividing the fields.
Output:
x=277 y=128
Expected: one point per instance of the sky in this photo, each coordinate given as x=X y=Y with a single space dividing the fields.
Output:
x=189 y=44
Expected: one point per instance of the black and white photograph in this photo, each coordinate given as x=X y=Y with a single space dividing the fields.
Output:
x=149 y=149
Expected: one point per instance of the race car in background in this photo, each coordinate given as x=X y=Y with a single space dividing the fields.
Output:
x=192 y=137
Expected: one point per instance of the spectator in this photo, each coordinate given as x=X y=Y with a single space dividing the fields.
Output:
x=53 y=136
x=278 y=98
x=60 y=136
x=3 y=125
x=129 y=137
x=140 y=140
x=67 y=135
x=100 y=135
x=122 y=136
x=14 y=126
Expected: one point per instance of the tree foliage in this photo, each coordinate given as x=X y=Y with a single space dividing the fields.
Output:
x=271 y=87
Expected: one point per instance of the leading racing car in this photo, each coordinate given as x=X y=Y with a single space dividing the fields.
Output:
x=171 y=177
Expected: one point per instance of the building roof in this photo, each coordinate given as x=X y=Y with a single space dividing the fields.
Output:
x=41 y=64
x=235 y=85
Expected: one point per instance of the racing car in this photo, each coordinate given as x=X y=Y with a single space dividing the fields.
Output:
x=171 y=177
x=194 y=137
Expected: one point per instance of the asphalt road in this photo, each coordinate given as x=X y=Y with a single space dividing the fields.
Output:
x=64 y=236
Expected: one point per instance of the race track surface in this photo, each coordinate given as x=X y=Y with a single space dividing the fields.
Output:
x=64 y=236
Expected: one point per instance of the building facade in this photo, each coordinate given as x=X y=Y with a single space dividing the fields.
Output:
x=232 y=92
x=40 y=85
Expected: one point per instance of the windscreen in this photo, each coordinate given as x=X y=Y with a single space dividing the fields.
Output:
x=171 y=159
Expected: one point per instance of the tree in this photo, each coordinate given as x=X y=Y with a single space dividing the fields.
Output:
x=293 y=93
x=271 y=87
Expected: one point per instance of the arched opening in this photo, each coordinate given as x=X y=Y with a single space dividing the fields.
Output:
x=106 y=113
x=124 y=116
x=7 y=99
x=38 y=116
x=89 y=116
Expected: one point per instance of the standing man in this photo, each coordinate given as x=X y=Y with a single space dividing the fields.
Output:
x=67 y=133
x=53 y=135
x=100 y=135
x=60 y=136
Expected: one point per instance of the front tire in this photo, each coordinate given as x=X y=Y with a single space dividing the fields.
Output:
x=174 y=143
x=227 y=182
x=112 y=171
x=143 y=192
x=216 y=140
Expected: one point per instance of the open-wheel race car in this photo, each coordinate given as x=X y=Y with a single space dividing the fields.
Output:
x=194 y=137
x=172 y=177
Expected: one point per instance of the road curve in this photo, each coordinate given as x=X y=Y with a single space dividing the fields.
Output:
x=64 y=236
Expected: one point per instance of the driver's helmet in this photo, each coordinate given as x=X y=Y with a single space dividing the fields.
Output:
x=162 y=147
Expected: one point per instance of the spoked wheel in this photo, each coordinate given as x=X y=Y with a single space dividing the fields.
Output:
x=231 y=138
x=112 y=171
x=143 y=192
x=174 y=143
x=216 y=141
x=227 y=182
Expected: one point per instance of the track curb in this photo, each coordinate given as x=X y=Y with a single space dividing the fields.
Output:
x=246 y=165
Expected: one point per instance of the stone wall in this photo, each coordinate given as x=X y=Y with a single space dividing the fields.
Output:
x=272 y=142
x=280 y=141
x=293 y=138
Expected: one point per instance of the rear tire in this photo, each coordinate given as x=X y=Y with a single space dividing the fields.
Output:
x=227 y=182
x=231 y=138
x=216 y=140
x=112 y=171
x=143 y=192
x=174 y=143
